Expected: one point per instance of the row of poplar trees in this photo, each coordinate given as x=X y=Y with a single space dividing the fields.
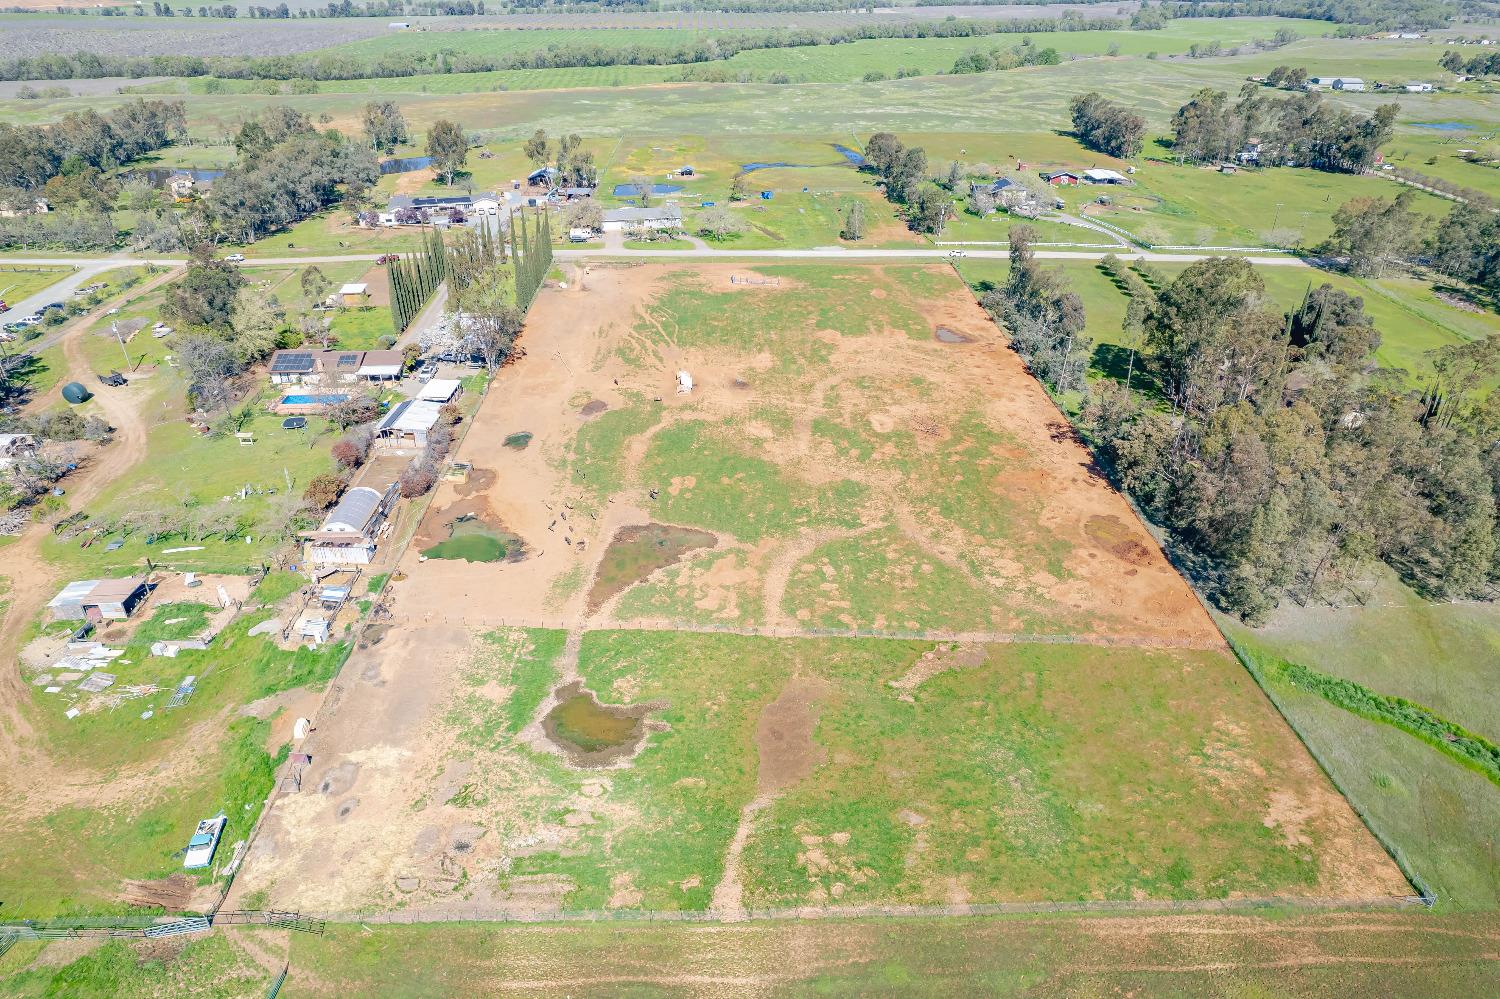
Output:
x=531 y=244
x=414 y=278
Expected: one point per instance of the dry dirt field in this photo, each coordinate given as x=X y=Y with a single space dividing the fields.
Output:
x=876 y=632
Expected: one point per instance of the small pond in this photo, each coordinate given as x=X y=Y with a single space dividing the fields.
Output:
x=591 y=733
x=157 y=176
x=1443 y=126
x=472 y=540
x=634 y=190
x=405 y=164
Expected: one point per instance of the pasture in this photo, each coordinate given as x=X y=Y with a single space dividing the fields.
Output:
x=880 y=562
x=1442 y=815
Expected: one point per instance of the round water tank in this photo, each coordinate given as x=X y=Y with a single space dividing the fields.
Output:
x=76 y=393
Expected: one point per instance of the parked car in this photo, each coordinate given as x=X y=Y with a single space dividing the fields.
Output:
x=114 y=379
x=235 y=258
x=427 y=371
x=205 y=840
x=3 y=306
x=50 y=306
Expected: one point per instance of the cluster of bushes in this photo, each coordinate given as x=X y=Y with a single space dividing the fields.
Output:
x=1025 y=54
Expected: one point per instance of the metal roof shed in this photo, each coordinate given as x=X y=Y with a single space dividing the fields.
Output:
x=440 y=390
x=354 y=512
x=410 y=420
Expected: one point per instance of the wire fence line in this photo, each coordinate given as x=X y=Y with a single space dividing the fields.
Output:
x=502 y=914
x=773 y=631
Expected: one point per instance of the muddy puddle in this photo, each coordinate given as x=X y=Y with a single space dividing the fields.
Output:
x=945 y=335
x=594 y=734
x=636 y=552
x=593 y=407
x=472 y=540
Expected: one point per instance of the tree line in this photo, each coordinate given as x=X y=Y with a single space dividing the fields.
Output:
x=1373 y=235
x=1107 y=127
x=1298 y=130
x=1483 y=64
x=31 y=155
x=414 y=278
x=903 y=174
x=531 y=249
x=1285 y=460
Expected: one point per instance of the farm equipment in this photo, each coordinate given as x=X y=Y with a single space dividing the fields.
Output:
x=114 y=379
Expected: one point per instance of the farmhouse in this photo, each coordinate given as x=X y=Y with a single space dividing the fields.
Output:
x=1060 y=178
x=1105 y=177
x=621 y=219
x=1349 y=83
x=315 y=367
x=1009 y=194
x=348 y=534
x=354 y=295
x=181 y=185
x=408 y=422
x=99 y=599
x=413 y=209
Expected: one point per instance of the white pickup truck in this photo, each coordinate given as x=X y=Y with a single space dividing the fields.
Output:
x=200 y=849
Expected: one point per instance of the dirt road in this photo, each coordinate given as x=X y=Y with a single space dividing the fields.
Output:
x=32 y=581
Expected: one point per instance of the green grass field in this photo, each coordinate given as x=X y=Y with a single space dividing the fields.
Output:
x=1059 y=826
x=18 y=282
x=1442 y=815
x=1441 y=956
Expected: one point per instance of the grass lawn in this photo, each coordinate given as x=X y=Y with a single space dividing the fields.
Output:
x=331 y=233
x=186 y=471
x=19 y=281
x=1049 y=955
x=359 y=329
x=1438 y=655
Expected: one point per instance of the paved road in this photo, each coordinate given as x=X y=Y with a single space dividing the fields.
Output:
x=85 y=272
x=820 y=253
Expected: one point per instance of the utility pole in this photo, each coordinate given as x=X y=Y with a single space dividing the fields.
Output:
x=114 y=326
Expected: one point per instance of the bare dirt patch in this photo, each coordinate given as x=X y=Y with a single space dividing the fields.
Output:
x=940 y=660
x=171 y=893
x=1120 y=540
x=784 y=735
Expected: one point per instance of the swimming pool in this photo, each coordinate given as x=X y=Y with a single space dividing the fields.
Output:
x=327 y=399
